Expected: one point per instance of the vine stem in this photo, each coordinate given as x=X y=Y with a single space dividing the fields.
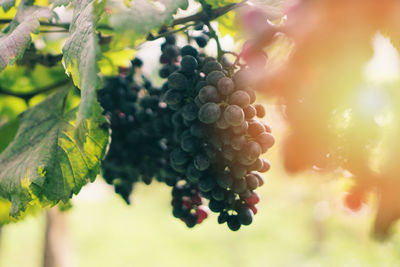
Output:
x=27 y=96
x=200 y=16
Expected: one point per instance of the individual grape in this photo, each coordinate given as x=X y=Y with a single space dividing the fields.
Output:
x=173 y=98
x=267 y=127
x=239 y=185
x=234 y=115
x=223 y=217
x=259 y=177
x=206 y=184
x=238 y=171
x=266 y=165
x=177 y=81
x=178 y=156
x=211 y=66
x=224 y=181
x=225 y=86
x=239 y=98
x=170 y=39
x=254 y=199
x=197 y=130
x=222 y=124
x=260 y=110
x=202 y=40
x=190 y=111
x=251 y=94
x=245 y=216
x=188 y=144
x=202 y=214
x=238 y=142
x=251 y=150
x=233 y=223
x=209 y=113
x=201 y=162
x=252 y=181
x=242 y=78
x=198 y=102
x=209 y=94
x=214 y=77
x=249 y=112
x=137 y=62
x=228 y=153
x=188 y=64
x=266 y=139
x=189 y=50
x=255 y=128
x=242 y=128
x=216 y=206
x=171 y=51
x=193 y=174
x=199 y=85
x=218 y=193
x=245 y=194
x=257 y=165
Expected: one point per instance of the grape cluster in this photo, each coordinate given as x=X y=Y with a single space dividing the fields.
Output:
x=220 y=140
x=140 y=124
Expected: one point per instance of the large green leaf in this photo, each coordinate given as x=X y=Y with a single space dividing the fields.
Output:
x=17 y=36
x=44 y=162
x=140 y=17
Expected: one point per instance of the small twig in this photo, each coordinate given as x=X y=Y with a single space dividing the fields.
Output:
x=152 y=38
x=27 y=96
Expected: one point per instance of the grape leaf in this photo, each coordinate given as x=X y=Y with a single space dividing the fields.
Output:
x=132 y=22
x=17 y=36
x=44 y=162
x=81 y=53
x=7 y=4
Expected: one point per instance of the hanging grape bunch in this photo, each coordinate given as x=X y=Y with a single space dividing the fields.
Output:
x=220 y=140
x=140 y=127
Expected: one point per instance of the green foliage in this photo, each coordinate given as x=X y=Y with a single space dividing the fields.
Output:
x=7 y=4
x=17 y=35
x=44 y=161
x=132 y=23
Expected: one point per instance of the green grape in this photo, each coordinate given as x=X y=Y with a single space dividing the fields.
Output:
x=209 y=113
x=222 y=124
x=234 y=115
